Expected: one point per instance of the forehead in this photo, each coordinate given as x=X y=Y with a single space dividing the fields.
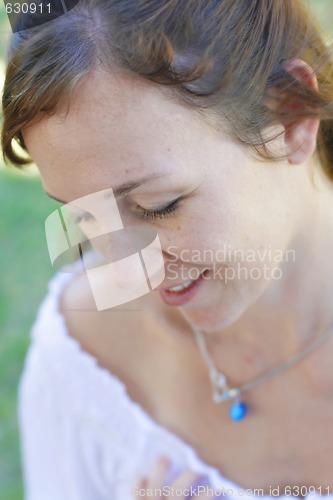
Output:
x=116 y=126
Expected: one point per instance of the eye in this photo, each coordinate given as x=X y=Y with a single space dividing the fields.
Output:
x=161 y=213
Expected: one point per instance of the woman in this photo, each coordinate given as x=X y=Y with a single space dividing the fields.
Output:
x=216 y=116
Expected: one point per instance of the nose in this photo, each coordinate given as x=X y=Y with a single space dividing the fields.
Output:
x=135 y=270
x=168 y=256
x=145 y=263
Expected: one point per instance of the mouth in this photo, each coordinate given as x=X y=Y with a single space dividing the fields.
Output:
x=182 y=293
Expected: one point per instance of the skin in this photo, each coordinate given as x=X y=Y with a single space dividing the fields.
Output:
x=118 y=129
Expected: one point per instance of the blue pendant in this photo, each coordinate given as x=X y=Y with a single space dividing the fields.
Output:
x=238 y=411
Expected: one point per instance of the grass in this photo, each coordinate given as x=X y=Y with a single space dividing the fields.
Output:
x=25 y=270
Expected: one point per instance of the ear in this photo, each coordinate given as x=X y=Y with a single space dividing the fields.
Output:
x=301 y=137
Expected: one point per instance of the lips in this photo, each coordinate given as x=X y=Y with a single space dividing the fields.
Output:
x=182 y=293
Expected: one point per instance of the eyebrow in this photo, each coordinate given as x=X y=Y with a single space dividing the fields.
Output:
x=121 y=190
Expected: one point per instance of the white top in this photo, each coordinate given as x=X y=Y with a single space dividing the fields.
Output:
x=82 y=436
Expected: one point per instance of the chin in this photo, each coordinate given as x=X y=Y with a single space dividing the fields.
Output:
x=212 y=320
x=225 y=312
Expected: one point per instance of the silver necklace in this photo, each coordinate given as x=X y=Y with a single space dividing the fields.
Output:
x=220 y=389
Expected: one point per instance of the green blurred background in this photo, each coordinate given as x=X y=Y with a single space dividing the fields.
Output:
x=24 y=272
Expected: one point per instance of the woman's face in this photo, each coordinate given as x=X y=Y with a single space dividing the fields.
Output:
x=235 y=213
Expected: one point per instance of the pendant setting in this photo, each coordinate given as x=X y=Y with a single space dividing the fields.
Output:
x=221 y=392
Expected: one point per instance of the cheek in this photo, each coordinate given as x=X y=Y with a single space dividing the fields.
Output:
x=198 y=246
x=236 y=230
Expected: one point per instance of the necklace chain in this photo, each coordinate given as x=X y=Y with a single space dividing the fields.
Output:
x=221 y=391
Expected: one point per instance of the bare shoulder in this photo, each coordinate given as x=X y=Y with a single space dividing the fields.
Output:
x=107 y=334
x=125 y=340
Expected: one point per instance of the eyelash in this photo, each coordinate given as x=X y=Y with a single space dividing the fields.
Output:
x=143 y=214
x=159 y=214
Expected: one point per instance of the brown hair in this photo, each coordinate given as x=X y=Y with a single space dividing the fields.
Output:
x=222 y=57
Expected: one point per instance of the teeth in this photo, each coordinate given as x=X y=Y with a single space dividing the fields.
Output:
x=181 y=287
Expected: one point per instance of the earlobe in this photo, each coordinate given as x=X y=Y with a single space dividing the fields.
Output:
x=301 y=140
x=301 y=136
